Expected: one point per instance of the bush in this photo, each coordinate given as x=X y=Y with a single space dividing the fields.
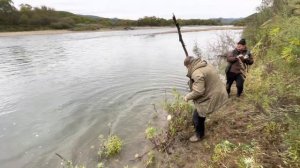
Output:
x=180 y=112
x=179 y=119
x=221 y=150
x=61 y=25
x=151 y=133
x=273 y=82
x=150 y=159
x=292 y=139
x=110 y=146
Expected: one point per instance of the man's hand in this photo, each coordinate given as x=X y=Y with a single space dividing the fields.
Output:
x=185 y=99
x=241 y=57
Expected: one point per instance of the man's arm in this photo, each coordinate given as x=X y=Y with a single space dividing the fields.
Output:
x=198 y=88
x=231 y=58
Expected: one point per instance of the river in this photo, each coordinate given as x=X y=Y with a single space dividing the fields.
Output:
x=60 y=92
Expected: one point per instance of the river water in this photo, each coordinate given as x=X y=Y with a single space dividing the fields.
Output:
x=60 y=92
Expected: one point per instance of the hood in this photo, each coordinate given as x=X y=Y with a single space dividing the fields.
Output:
x=196 y=64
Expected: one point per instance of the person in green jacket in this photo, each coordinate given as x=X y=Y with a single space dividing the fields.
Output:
x=208 y=92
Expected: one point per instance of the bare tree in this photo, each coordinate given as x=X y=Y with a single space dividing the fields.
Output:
x=197 y=50
x=224 y=43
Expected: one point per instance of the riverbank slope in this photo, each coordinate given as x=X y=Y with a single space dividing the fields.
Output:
x=260 y=129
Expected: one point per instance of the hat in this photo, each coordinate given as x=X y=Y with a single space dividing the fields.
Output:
x=242 y=42
x=188 y=60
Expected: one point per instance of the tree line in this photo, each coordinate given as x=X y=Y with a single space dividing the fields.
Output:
x=37 y=18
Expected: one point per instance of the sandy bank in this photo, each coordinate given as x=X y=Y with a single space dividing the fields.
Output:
x=50 y=32
x=40 y=32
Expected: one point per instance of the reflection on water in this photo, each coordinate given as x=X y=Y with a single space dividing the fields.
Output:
x=59 y=92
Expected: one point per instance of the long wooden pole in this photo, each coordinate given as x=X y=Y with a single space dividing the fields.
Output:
x=180 y=36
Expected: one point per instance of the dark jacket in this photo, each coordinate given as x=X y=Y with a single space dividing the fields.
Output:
x=238 y=65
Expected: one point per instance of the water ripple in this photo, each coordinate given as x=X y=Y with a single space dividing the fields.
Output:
x=59 y=92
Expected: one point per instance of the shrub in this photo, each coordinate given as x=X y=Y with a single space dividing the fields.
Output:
x=180 y=112
x=151 y=133
x=61 y=25
x=292 y=139
x=221 y=150
x=100 y=165
x=112 y=146
x=150 y=159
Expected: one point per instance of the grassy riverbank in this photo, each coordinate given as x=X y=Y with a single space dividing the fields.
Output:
x=260 y=129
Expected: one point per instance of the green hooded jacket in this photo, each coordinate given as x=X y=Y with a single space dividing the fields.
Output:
x=207 y=90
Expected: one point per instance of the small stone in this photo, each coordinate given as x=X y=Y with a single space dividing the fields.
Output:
x=169 y=117
x=136 y=155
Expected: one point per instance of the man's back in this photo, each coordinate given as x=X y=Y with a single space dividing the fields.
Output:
x=215 y=94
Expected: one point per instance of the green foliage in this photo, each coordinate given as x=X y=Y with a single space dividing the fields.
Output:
x=179 y=119
x=8 y=13
x=291 y=53
x=86 y=27
x=248 y=162
x=177 y=105
x=277 y=51
x=222 y=149
x=112 y=146
x=155 y=21
x=273 y=82
x=273 y=130
x=151 y=132
x=293 y=140
x=181 y=113
x=36 y=18
x=33 y=18
x=60 y=25
x=150 y=159
x=200 y=22
x=100 y=165
x=241 y=155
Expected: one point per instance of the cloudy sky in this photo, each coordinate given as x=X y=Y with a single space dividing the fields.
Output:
x=134 y=9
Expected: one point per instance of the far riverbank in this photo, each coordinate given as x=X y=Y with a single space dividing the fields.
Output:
x=49 y=32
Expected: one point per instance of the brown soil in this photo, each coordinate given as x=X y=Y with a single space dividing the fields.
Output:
x=239 y=123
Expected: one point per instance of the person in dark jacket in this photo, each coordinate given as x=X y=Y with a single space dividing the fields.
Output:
x=238 y=60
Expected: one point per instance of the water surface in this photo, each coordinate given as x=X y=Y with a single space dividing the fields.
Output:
x=60 y=92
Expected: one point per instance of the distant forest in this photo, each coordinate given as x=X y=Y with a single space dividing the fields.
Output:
x=43 y=18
